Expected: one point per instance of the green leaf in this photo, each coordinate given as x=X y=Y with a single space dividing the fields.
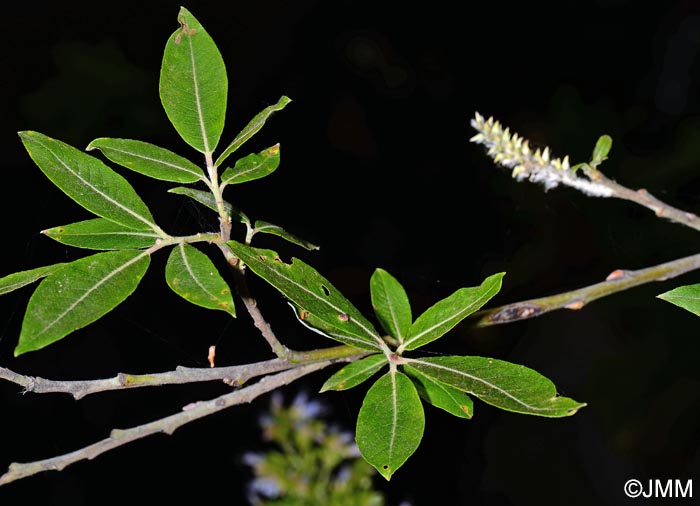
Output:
x=390 y=423
x=193 y=276
x=252 y=128
x=264 y=227
x=101 y=234
x=319 y=303
x=253 y=166
x=149 y=160
x=390 y=304
x=88 y=181
x=79 y=293
x=207 y=200
x=686 y=297
x=17 y=280
x=441 y=395
x=511 y=387
x=355 y=373
x=601 y=150
x=444 y=315
x=193 y=84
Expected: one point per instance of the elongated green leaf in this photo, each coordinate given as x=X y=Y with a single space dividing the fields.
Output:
x=254 y=166
x=88 y=181
x=252 y=128
x=320 y=304
x=77 y=294
x=444 y=315
x=207 y=200
x=355 y=373
x=511 y=387
x=390 y=304
x=686 y=297
x=17 y=280
x=441 y=395
x=101 y=234
x=149 y=160
x=390 y=423
x=193 y=84
x=193 y=276
x=602 y=148
x=264 y=227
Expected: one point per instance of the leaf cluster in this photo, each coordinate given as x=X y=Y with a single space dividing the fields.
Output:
x=193 y=91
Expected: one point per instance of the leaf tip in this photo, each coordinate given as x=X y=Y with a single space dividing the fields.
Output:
x=573 y=410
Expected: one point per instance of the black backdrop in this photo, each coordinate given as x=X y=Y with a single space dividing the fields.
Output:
x=376 y=169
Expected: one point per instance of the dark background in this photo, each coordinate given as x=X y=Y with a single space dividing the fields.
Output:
x=376 y=169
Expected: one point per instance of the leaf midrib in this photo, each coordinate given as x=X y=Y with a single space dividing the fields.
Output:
x=87 y=293
x=483 y=381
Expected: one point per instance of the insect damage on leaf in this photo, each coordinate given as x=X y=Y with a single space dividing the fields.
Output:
x=185 y=30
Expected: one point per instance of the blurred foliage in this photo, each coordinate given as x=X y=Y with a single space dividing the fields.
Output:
x=309 y=462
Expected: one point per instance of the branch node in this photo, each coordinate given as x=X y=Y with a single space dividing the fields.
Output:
x=616 y=274
x=575 y=305
x=515 y=312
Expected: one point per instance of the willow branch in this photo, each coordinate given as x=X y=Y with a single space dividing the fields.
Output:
x=167 y=425
x=645 y=199
x=251 y=304
x=236 y=375
x=617 y=281
x=540 y=166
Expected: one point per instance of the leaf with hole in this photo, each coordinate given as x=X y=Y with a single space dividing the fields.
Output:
x=318 y=302
x=193 y=84
x=88 y=181
x=355 y=373
x=148 y=159
x=193 y=276
x=507 y=386
x=440 y=318
x=390 y=304
x=390 y=423
x=101 y=234
x=441 y=395
x=79 y=293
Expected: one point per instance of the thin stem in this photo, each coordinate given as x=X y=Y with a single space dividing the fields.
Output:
x=251 y=304
x=236 y=375
x=166 y=425
x=216 y=190
x=644 y=198
x=617 y=281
